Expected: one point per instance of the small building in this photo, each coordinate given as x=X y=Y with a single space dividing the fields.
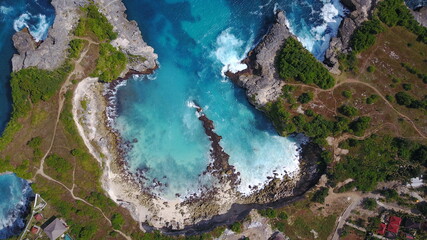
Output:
x=39 y=217
x=381 y=229
x=55 y=229
x=394 y=224
x=411 y=224
x=35 y=229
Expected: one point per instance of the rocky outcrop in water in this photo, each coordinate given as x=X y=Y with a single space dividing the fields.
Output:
x=360 y=11
x=260 y=80
x=52 y=52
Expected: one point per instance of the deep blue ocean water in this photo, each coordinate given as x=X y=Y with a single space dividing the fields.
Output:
x=15 y=198
x=197 y=41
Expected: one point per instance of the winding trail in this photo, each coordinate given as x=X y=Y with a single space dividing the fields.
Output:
x=354 y=81
x=61 y=100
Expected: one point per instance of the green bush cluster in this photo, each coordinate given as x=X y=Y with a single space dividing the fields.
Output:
x=58 y=163
x=296 y=62
x=320 y=195
x=372 y=99
x=268 y=212
x=395 y=13
x=117 y=221
x=315 y=126
x=76 y=47
x=110 y=64
x=364 y=36
x=305 y=97
x=403 y=98
x=236 y=227
x=370 y=203
x=96 y=23
x=30 y=86
x=378 y=159
x=415 y=71
x=348 y=111
x=347 y=94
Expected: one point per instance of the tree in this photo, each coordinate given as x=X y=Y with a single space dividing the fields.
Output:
x=117 y=221
x=305 y=97
x=320 y=195
x=348 y=111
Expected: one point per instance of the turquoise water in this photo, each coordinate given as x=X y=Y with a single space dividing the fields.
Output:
x=14 y=204
x=197 y=41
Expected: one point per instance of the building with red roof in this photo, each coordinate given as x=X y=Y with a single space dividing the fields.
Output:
x=38 y=217
x=35 y=230
x=381 y=229
x=394 y=224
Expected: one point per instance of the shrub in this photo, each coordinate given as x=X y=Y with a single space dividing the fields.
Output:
x=403 y=98
x=348 y=111
x=305 y=97
x=360 y=125
x=76 y=46
x=364 y=36
x=372 y=99
x=58 y=163
x=236 y=227
x=347 y=94
x=110 y=64
x=96 y=23
x=389 y=98
x=117 y=221
x=407 y=86
x=369 y=203
x=283 y=215
x=268 y=212
x=320 y=195
x=35 y=142
x=371 y=69
x=295 y=62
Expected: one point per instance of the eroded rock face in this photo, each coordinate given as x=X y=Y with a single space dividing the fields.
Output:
x=52 y=52
x=360 y=11
x=260 y=82
x=420 y=15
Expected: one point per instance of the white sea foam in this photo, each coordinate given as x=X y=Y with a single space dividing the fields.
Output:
x=38 y=31
x=230 y=53
x=5 y=10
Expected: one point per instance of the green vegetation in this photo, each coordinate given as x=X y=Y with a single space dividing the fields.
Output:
x=117 y=221
x=370 y=203
x=305 y=97
x=30 y=86
x=372 y=99
x=378 y=159
x=371 y=69
x=364 y=36
x=394 y=12
x=360 y=125
x=403 y=98
x=58 y=163
x=110 y=64
x=348 y=111
x=268 y=212
x=295 y=62
x=347 y=94
x=96 y=23
x=320 y=195
x=35 y=144
x=76 y=47
x=236 y=227
x=415 y=71
x=407 y=86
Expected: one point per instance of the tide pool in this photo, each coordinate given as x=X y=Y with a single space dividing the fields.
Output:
x=14 y=204
x=197 y=41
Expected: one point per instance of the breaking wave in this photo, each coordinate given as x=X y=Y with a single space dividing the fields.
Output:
x=38 y=25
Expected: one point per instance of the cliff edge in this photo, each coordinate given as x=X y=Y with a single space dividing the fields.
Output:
x=52 y=52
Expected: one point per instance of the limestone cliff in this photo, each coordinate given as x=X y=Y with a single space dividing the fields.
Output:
x=52 y=52
x=260 y=80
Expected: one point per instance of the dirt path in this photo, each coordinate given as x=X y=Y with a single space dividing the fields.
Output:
x=61 y=100
x=354 y=81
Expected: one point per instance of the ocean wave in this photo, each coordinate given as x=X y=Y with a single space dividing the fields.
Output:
x=230 y=52
x=38 y=25
x=6 y=10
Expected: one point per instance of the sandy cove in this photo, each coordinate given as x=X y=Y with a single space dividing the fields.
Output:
x=222 y=205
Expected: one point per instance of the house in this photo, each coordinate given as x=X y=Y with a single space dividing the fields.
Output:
x=55 y=229
x=39 y=217
x=381 y=229
x=35 y=229
x=394 y=224
x=409 y=223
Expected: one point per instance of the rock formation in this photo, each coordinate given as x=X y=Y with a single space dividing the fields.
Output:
x=420 y=15
x=260 y=81
x=52 y=52
x=360 y=11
